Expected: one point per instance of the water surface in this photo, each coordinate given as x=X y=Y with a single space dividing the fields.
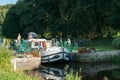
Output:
x=89 y=71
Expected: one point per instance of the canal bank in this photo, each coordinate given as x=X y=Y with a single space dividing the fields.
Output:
x=95 y=56
x=53 y=70
x=89 y=71
x=26 y=63
x=35 y=62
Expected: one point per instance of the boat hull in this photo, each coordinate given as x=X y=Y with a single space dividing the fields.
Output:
x=56 y=57
x=54 y=54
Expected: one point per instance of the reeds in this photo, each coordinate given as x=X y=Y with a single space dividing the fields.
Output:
x=73 y=76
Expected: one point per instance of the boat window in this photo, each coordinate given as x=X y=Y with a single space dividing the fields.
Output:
x=36 y=43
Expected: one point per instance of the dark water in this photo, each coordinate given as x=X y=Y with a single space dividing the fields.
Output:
x=89 y=71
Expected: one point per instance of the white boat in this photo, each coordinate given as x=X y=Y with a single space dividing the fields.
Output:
x=51 y=53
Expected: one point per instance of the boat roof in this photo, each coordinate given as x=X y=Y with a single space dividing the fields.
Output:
x=37 y=40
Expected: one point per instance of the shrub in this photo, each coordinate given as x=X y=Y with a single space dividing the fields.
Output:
x=6 y=70
x=72 y=76
x=5 y=57
x=116 y=42
x=8 y=74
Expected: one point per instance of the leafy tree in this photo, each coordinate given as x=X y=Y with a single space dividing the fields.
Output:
x=3 y=11
x=86 y=18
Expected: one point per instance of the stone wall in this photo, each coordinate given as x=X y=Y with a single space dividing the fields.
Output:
x=26 y=63
x=95 y=57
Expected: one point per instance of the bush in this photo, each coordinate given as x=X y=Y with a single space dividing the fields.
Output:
x=8 y=74
x=72 y=76
x=116 y=42
x=5 y=57
x=6 y=70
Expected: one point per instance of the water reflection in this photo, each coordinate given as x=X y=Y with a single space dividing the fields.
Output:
x=54 y=71
x=90 y=71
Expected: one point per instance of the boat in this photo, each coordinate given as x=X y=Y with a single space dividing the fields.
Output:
x=53 y=52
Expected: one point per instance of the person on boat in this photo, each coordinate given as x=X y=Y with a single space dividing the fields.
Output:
x=44 y=45
x=69 y=45
x=53 y=42
x=69 y=42
x=40 y=46
x=18 y=40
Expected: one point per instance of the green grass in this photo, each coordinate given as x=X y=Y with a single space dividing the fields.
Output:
x=73 y=76
x=8 y=74
x=6 y=70
x=101 y=44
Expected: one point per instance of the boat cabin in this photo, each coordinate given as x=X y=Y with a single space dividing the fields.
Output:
x=35 y=42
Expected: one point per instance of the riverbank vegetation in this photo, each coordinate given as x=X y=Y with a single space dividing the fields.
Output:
x=101 y=44
x=6 y=69
x=73 y=76
x=62 y=18
x=75 y=18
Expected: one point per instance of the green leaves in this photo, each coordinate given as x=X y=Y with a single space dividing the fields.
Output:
x=74 y=17
x=73 y=76
x=116 y=42
x=6 y=68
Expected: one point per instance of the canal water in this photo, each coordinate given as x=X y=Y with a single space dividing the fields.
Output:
x=89 y=71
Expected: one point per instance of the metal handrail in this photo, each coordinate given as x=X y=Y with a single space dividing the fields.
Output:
x=55 y=54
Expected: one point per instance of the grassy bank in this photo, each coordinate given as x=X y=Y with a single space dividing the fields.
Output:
x=6 y=70
x=101 y=44
x=73 y=76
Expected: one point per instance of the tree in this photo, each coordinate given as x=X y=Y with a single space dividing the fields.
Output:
x=3 y=11
x=71 y=17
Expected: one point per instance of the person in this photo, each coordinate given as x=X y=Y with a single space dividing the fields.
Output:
x=18 y=41
x=53 y=41
x=40 y=46
x=69 y=42
x=18 y=38
x=44 y=45
x=69 y=45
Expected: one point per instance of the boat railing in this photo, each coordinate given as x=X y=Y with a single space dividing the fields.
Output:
x=48 y=57
x=55 y=54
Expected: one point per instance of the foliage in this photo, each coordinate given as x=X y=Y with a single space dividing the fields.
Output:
x=116 y=42
x=116 y=59
x=3 y=11
x=79 y=18
x=101 y=43
x=5 y=56
x=47 y=34
x=8 y=74
x=6 y=71
x=72 y=76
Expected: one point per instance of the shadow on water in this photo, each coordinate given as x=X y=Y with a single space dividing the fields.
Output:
x=90 y=71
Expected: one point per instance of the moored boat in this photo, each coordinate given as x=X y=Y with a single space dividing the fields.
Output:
x=51 y=53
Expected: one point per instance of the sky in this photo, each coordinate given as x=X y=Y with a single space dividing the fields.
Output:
x=4 y=2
